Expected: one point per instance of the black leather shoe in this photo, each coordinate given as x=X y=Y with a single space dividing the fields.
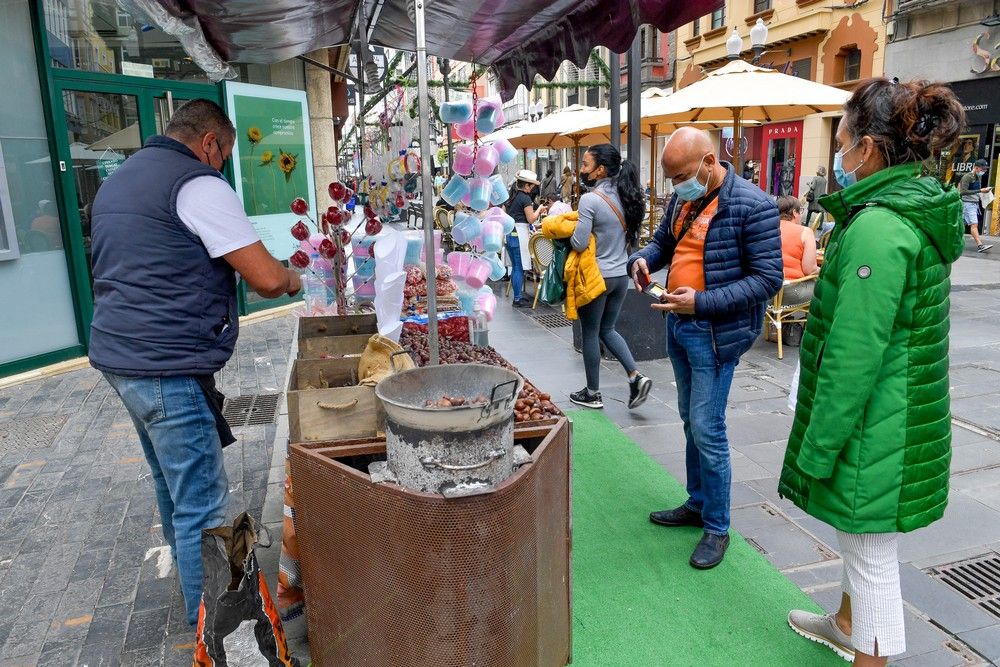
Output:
x=679 y=516
x=710 y=551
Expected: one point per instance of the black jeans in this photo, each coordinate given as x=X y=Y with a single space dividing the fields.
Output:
x=597 y=323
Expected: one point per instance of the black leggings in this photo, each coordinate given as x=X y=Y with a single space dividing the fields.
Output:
x=597 y=321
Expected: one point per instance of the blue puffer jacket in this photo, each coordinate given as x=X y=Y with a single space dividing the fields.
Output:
x=743 y=268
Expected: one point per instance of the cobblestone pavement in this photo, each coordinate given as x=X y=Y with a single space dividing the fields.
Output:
x=84 y=575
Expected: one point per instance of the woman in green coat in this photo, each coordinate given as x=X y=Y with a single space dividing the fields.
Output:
x=870 y=446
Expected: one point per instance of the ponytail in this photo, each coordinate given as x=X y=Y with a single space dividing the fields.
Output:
x=633 y=201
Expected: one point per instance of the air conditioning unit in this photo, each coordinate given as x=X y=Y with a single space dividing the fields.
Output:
x=890 y=29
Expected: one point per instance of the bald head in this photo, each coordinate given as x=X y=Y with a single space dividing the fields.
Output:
x=689 y=153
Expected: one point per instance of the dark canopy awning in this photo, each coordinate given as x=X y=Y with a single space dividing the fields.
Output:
x=519 y=38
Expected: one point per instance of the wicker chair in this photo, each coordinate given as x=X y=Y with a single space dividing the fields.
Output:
x=779 y=313
x=540 y=249
x=443 y=219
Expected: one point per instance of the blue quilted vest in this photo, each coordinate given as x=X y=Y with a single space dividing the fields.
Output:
x=162 y=306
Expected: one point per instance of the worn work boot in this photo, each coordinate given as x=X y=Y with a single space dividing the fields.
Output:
x=822 y=630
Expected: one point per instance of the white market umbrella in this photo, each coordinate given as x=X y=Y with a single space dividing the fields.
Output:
x=124 y=139
x=565 y=128
x=79 y=151
x=508 y=132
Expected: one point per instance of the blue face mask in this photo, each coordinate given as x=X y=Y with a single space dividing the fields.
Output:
x=692 y=188
x=845 y=178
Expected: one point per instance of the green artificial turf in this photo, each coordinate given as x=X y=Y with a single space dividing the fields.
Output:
x=637 y=602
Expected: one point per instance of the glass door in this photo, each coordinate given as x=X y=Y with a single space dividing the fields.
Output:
x=102 y=129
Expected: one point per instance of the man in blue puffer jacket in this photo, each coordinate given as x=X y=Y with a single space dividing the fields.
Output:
x=720 y=237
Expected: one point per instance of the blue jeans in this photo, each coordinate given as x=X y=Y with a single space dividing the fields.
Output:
x=516 y=270
x=179 y=438
x=702 y=392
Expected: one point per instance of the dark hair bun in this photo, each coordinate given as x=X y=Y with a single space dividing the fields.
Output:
x=909 y=121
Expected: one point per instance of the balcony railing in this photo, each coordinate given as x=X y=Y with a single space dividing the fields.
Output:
x=908 y=6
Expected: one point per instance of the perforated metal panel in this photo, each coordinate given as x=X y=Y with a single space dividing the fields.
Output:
x=977 y=578
x=251 y=409
x=30 y=433
x=394 y=577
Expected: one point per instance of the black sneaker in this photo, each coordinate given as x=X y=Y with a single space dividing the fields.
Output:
x=638 y=390
x=519 y=303
x=983 y=247
x=587 y=398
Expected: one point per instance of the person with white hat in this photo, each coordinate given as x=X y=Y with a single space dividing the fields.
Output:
x=521 y=207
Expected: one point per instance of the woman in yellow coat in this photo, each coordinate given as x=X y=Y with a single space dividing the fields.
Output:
x=607 y=224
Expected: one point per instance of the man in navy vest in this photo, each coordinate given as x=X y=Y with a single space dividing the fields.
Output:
x=720 y=239
x=169 y=237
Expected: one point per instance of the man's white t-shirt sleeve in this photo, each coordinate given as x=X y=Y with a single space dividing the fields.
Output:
x=212 y=211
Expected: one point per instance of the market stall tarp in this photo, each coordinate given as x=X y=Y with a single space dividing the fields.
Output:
x=519 y=38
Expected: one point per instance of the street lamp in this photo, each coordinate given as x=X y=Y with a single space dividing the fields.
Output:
x=758 y=38
x=734 y=45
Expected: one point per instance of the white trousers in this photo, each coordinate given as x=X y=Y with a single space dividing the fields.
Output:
x=871 y=578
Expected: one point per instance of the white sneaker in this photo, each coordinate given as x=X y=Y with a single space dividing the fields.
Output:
x=823 y=630
x=983 y=247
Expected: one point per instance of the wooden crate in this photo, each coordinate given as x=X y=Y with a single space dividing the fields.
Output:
x=341 y=411
x=337 y=325
x=321 y=347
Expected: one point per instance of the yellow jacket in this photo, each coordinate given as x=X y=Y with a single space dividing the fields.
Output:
x=584 y=281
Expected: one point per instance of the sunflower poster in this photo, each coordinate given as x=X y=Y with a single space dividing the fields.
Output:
x=272 y=159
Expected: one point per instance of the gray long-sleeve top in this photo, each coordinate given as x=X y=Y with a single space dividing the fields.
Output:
x=597 y=218
x=969 y=187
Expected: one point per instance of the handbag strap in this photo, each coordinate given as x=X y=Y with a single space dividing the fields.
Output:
x=613 y=208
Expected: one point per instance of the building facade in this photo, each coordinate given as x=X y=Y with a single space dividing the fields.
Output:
x=84 y=85
x=957 y=42
x=833 y=42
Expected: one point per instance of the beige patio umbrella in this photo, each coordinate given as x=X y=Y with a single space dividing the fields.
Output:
x=738 y=92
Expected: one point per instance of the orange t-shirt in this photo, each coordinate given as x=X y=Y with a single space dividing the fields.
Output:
x=792 y=249
x=687 y=269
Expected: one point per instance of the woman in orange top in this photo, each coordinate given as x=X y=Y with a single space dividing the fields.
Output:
x=798 y=250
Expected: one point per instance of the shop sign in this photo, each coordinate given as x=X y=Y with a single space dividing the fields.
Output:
x=980 y=98
x=108 y=166
x=783 y=130
x=137 y=69
x=986 y=52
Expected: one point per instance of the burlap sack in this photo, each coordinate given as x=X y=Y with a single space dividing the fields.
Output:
x=375 y=364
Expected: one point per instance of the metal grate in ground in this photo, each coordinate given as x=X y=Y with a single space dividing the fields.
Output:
x=552 y=320
x=978 y=579
x=251 y=409
x=31 y=433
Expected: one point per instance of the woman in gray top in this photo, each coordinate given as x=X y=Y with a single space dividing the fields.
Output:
x=612 y=211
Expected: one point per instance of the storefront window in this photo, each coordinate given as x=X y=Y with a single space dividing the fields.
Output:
x=35 y=296
x=98 y=36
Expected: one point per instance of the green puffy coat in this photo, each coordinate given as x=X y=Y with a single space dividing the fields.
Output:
x=870 y=446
